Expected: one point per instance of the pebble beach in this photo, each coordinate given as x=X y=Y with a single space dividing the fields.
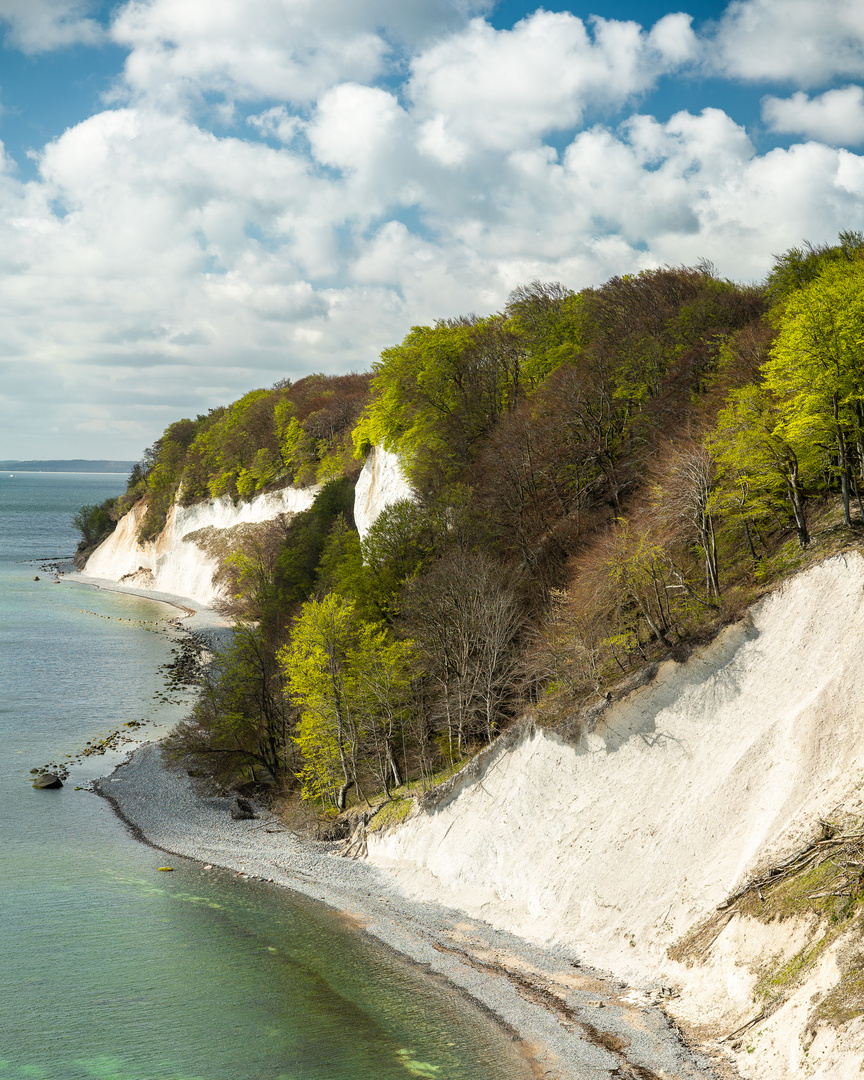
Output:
x=570 y=1022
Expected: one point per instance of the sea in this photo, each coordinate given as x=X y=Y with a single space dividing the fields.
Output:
x=114 y=970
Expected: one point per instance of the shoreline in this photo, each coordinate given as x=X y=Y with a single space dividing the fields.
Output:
x=196 y=618
x=188 y=612
x=571 y=1022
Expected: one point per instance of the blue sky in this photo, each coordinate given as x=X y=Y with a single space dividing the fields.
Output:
x=200 y=197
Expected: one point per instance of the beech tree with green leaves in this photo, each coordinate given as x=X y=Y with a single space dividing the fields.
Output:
x=438 y=393
x=816 y=372
x=759 y=469
x=350 y=680
x=799 y=266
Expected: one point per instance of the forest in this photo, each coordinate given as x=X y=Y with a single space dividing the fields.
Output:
x=602 y=479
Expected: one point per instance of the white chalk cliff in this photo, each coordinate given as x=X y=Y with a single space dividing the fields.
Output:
x=381 y=483
x=620 y=843
x=184 y=558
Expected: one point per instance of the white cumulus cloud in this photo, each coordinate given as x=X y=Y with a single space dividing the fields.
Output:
x=837 y=116
x=805 y=42
x=36 y=26
x=500 y=89
x=288 y=50
x=277 y=123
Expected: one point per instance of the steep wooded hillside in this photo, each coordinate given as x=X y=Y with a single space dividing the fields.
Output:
x=600 y=479
x=601 y=485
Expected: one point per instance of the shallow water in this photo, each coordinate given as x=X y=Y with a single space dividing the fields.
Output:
x=116 y=971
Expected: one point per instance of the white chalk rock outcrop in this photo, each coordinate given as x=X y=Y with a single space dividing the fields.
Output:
x=618 y=845
x=380 y=484
x=183 y=560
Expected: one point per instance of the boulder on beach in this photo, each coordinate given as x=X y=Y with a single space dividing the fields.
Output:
x=241 y=809
x=47 y=780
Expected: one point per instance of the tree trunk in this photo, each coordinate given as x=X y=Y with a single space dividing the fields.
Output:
x=797 y=502
x=750 y=541
x=842 y=461
x=393 y=765
x=343 y=793
x=340 y=739
x=859 y=435
x=857 y=492
x=709 y=546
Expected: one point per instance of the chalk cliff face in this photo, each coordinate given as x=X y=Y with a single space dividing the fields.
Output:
x=381 y=484
x=185 y=557
x=620 y=844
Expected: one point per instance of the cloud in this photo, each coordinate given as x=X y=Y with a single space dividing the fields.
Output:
x=283 y=50
x=152 y=255
x=276 y=123
x=795 y=41
x=390 y=163
x=837 y=116
x=36 y=26
x=252 y=51
x=354 y=126
x=500 y=89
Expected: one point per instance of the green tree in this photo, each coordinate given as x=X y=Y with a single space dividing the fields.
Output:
x=548 y=319
x=816 y=371
x=95 y=521
x=759 y=469
x=341 y=570
x=240 y=726
x=441 y=391
x=295 y=568
x=799 y=266
x=394 y=550
x=349 y=680
x=164 y=462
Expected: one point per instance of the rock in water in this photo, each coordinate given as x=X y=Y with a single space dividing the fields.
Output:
x=241 y=809
x=47 y=780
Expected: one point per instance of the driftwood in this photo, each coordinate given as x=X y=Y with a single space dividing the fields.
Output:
x=850 y=874
x=355 y=846
x=766 y=1011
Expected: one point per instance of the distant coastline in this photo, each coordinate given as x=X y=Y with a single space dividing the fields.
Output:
x=73 y=465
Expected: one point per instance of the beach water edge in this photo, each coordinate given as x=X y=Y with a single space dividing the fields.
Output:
x=568 y=1021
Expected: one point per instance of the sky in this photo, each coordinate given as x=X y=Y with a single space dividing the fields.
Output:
x=201 y=197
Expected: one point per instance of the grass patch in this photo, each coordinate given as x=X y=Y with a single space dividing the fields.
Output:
x=827 y=893
x=392 y=813
x=796 y=896
x=845 y=1001
x=779 y=980
x=413 y=787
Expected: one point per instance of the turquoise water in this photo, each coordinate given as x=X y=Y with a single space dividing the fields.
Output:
x=114 y=971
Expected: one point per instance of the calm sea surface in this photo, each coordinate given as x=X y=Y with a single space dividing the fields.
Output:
x=112 y=970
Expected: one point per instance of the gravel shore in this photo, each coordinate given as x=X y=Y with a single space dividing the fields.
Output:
x=572 y=1023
